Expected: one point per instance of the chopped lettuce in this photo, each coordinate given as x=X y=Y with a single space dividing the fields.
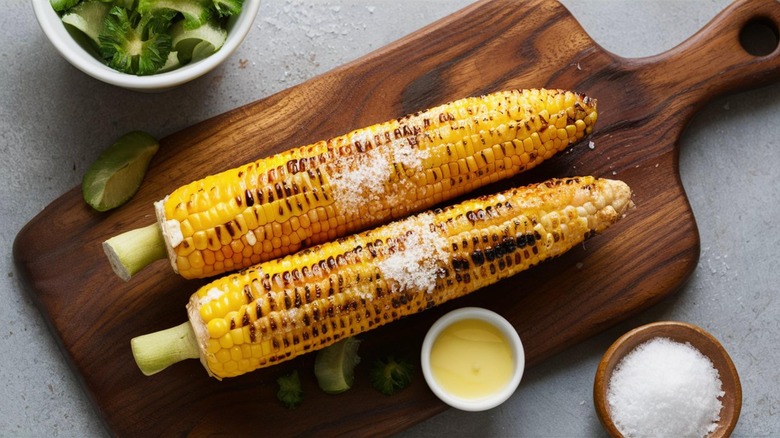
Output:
x=144 y=37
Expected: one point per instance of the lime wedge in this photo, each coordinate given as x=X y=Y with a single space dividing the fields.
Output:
x=334 y=365
x=117 y=173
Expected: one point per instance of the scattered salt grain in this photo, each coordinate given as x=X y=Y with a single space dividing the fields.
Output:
x=212 y=294
x=665 y=388
x=363 y=178
x=360 y=180
x=415 y=262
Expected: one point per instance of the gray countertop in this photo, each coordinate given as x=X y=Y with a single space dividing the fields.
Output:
x=54 y=121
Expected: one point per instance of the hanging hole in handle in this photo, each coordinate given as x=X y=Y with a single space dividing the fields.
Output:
x=759 y=37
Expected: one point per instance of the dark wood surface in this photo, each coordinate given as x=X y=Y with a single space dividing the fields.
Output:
x=644 y=105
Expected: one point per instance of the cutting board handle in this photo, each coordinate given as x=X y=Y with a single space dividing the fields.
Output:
x=737 y=49
x=658 y=95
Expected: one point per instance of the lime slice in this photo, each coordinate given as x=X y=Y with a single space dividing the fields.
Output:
x=334 y=366
x=117 y=173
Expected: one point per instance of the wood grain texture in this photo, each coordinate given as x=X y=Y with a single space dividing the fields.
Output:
x=644 y=105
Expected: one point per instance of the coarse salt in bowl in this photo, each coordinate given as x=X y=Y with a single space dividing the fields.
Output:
x=710 y=353
x=471 y=354
x=69 y=48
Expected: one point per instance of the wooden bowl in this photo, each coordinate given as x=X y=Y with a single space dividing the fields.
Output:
x=679 y=332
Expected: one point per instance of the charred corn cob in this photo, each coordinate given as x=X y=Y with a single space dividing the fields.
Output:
x=285 y=307
x=312 y=194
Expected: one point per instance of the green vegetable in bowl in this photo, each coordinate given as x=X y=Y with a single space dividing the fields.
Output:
x=135 y=43
x=389 y=374
x=227 y=8
x=61 y=5
x=145 y=37
x=195 y=12
x=88 y=17
x=196 y=44
x=290 y=391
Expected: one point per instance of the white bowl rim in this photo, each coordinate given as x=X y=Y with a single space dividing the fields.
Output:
x=55 y=30
x=506 y=329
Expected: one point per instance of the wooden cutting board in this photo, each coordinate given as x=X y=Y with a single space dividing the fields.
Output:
x=644 y=105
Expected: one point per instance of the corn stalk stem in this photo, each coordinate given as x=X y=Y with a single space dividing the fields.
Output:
x=159 y=350
x=133 y=250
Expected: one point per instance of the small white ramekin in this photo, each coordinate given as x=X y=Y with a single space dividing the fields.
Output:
x=55 y=31
x=494 y=319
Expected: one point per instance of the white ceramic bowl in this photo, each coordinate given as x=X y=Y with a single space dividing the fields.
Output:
x=55 y=30
x=516 y=346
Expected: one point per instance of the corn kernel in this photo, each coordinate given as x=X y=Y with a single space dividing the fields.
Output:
x=249 y=219
x=208 y=257
x=182 y=263
x=237 y=336
x=213 y=346
x=528 y=144
x=579 y=125
x=256 y=350
x=200 y=240
x=206 y=310
x=222 y=356
x=266 y=345
x=237 y=246
x=235 y=353
x=276 y=229
x=571 y=132
x=196 y=260
x=226 y=341
x=305 y=221
x=217 y=328
x=230 y=368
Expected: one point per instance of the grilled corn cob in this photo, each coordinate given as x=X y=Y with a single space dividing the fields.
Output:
x=309 y=195
x=282 y=308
